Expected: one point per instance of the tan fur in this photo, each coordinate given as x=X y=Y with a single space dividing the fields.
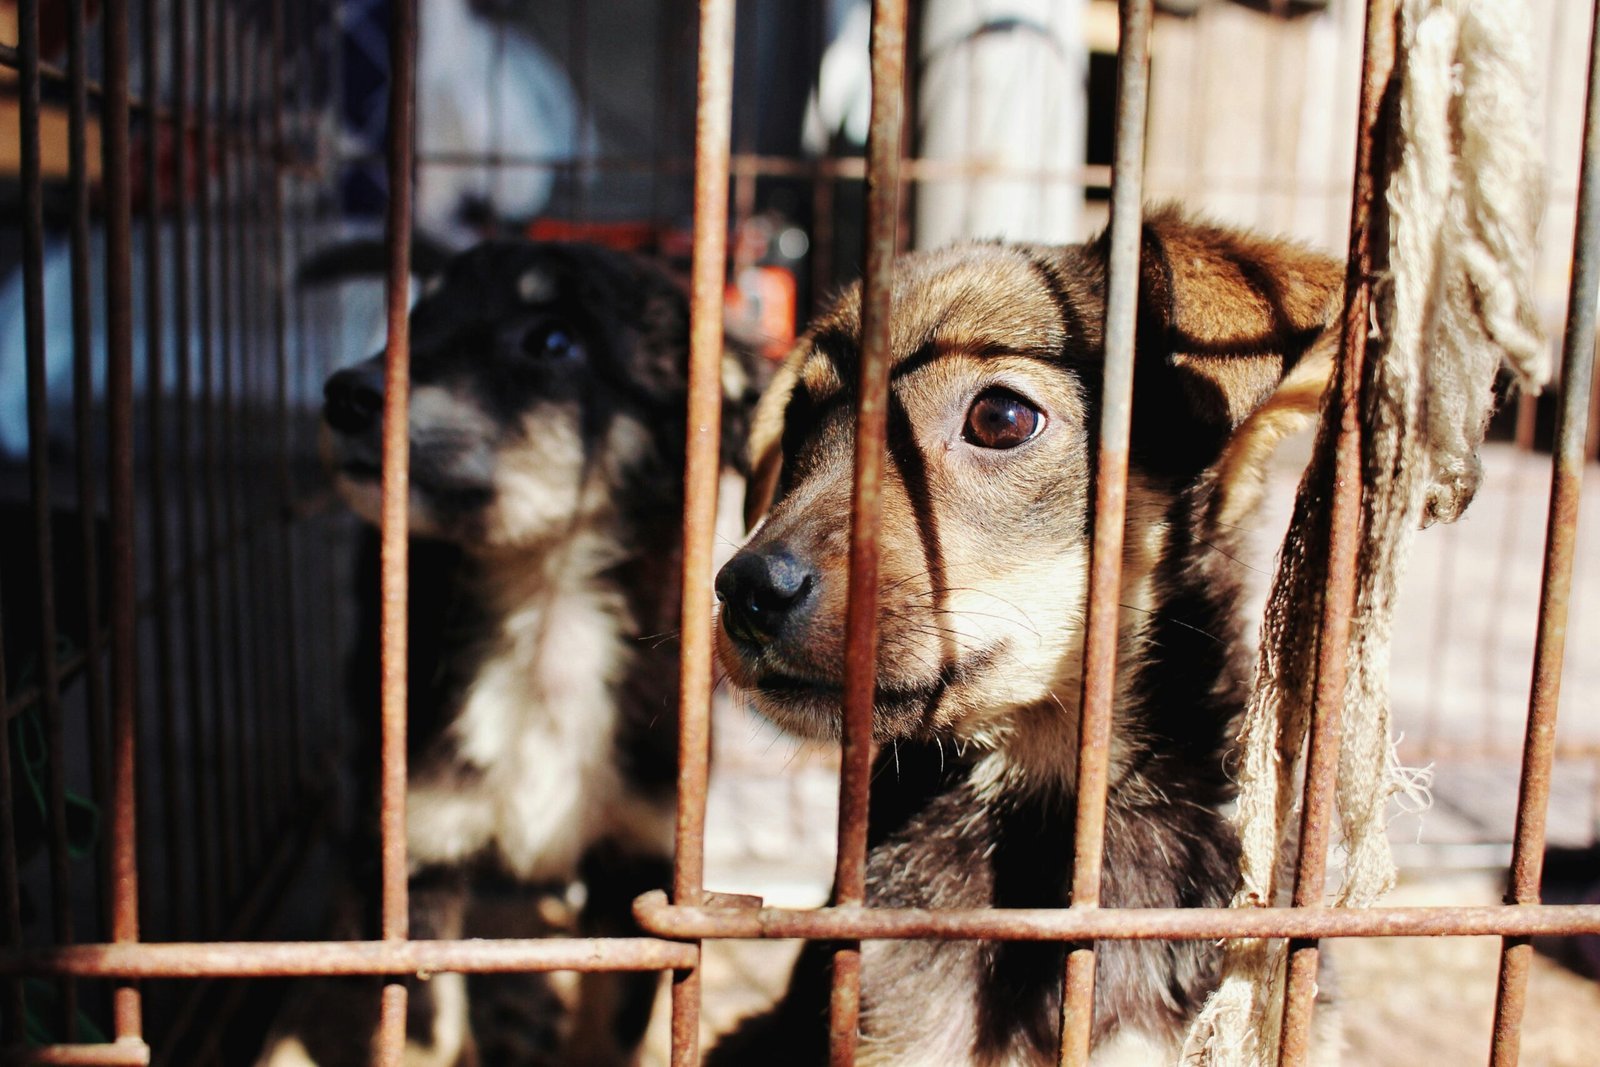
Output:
x=983 y=562
x=531 y=776
x=1241 y=469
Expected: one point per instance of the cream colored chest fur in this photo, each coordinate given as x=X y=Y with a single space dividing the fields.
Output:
x=533 y=775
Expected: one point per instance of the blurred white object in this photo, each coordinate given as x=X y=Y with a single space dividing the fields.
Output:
x=841 y=103
x=1003 y=89
x=1003 y=86
x=483 y=89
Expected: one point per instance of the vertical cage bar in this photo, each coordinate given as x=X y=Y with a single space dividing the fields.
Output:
x=83 y=397
x=578 y=66
x=119 y=401
x=225 y=822
x=39 y=488
x=230 y=770
x=872 y=399
x=1110 y=506
x=267 y=522
x=235 y=339
x=396 y=496
x=302 y=208
x=278 y=160
x=1561 y=538
x=198 y=916
x=1368 y=258
x=160 y=465
x=713 y=139
x=253 y=536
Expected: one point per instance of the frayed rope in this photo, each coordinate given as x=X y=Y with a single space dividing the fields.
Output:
x=1464 y=202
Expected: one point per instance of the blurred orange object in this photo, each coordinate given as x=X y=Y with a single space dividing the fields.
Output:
x=762 y=301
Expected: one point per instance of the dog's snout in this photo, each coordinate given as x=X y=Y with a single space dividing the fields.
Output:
x=353 y=398
x=761 y=590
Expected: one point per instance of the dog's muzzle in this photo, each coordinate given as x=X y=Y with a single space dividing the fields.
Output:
x=762 y=591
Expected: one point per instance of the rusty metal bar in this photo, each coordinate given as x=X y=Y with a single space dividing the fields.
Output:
x=395 y=957
x=236 y=301
x=1110 y=506
x=712 y=141
x=114 y=114
x=234 y=786
x=270 y=650
x=676 y=924
x=321 y=659
x=745 y=122
x=390 y=1042
x=223 y=807
x=83 y=406
x=160 y=464
x=201 y=916
x=866 y=510
x=755 y=165
x=39 y=487
x=1561 y=537
x=578 y=72
x=276 y=89
x=662 y=919
x=130 y=1053
x=12 y=58
x=1368 y=258
x=246 y=557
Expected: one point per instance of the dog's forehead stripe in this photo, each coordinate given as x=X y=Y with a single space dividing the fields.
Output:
x=1008 y=301
x=1072 y=324
x=810 y=406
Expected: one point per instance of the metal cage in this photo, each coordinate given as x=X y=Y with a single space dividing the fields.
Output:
x=184 y=609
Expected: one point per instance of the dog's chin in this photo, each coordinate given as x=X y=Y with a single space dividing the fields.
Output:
x=451 y=514
x=905 y=709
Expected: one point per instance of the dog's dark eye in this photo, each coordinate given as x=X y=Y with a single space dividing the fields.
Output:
x=1001 y=419
x=553 y=341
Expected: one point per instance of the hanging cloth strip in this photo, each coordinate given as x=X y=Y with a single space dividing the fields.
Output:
x=1464 y=199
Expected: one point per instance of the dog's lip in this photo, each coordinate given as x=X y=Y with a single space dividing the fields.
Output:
x=779 y=683
x=461 y=493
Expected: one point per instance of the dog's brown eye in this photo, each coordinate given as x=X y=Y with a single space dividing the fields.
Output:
x=1001 y=419
x=551 y=341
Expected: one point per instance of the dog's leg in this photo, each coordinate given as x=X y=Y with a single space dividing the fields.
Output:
x=437 y=1030
x=613 y=1010
x=791 y=1033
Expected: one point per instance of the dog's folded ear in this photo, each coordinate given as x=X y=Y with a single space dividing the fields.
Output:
x=744 y=374
x=1224 y=317
x=765 y=445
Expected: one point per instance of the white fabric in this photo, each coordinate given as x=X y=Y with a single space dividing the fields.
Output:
x=1463 y=203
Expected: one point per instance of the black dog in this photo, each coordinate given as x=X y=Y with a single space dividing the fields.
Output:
x=547 y=444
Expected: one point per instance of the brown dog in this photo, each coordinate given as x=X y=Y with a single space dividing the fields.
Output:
x=997 y=358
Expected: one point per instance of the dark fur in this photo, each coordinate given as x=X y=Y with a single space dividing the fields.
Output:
x=1223 y=317
x=612 y=391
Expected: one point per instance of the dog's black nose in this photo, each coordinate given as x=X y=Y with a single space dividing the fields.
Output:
x=759 y=590
x=352 y=401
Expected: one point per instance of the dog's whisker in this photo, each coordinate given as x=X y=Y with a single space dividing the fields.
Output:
x=1229 y=556
x=1166 y=617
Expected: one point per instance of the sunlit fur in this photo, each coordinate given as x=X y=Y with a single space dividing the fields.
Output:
x=984 y=557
